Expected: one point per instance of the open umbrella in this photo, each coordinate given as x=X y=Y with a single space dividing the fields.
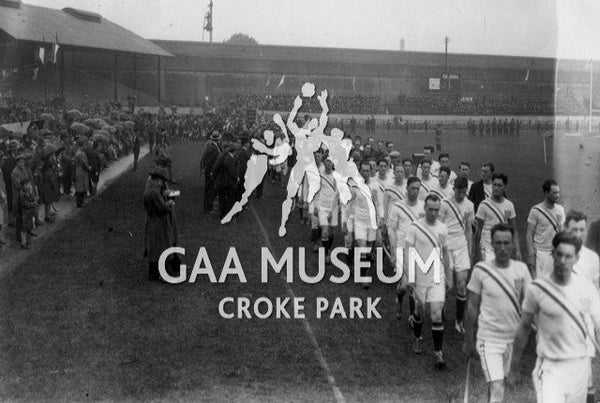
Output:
x=80 y=128
x=89 y=122
x=74 y=114
x=47 y=117
x=100 y=135
x=129 y=124
x=109 y=129
x=49 y=149
x=45 y=132
x=99 y=123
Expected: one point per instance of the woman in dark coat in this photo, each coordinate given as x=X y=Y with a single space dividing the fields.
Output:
x=50 y=187
x=161 y=227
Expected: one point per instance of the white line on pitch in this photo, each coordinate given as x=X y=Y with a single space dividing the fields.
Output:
x=339 y=397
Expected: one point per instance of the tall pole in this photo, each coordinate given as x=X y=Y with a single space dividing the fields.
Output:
x=210 y=10
x=446 y=40
x=591 y=92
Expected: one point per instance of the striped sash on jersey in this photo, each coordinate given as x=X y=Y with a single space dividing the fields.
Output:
x=327 y=181
x=395 y=192
x=456 y=212
x=424 y=186
x=432 y=238
x=502 y=283
x=549 y=217
x=406 y=211
x=495 y=210
x=566 y=305
x=438 y=194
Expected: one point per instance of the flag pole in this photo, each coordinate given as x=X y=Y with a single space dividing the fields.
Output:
x=591 y=86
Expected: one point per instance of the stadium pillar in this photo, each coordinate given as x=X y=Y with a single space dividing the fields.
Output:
x=115 y=88
x=62 y=74
x=158 y=79
x=135 y=72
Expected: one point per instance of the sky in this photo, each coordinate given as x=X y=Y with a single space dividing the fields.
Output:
x=539 y=28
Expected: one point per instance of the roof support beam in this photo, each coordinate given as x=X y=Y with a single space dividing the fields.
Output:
x=116 y=88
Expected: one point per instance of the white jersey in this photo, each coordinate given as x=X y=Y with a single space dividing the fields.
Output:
x=459 y=218
x=546 y=224
x=500 y=309
x=487 y=190
x=588 y=265
x=427 y=186
x=393 y=194
x=400 y=216
x=443 y=193
x=327 y=196
x=377 y=190
x=434 y=170
x=425 y=238
x=559 y=337
x=492 y=213
x=389 y=179
x=358 y=207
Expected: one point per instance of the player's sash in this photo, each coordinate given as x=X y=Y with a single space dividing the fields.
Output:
x=438 y=194
x=502 y=283
x=432 y=238
x=394 y=191
x=327 y=181
x=424 y=186
x=406 y=211
x=456 y=212
x=495 y=210
x=549 y=217
x=486 y=194
x=550 y=290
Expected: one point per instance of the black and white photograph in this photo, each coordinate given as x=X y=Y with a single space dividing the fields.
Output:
x=300 y=201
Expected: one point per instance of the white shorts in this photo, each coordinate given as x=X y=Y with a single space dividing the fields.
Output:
x=430 y=293
x=495 y=358
x=544 y=263
x=327 y=216
x=561 y=381
x=363 y=231
x=459 y=259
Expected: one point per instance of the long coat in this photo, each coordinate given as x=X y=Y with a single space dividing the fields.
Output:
x=160 y=231
x=16 y=177
x=50 y=189
x=82 y=167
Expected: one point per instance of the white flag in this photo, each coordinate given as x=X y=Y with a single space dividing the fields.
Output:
x=527 y=75
x=282 y=81
x=42 y=54
x=55 y=48
x=354 y=83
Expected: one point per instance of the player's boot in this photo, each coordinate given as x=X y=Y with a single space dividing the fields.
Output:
x=411 y=321
x=417 y=345
x=439 y=360
x=459 y=327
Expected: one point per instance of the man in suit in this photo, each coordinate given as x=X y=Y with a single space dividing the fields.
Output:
x=593 y=237
x=209 y=157
x=482 y=189
x=225 y=178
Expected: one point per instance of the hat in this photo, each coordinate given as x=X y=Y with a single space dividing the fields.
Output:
x=215 y=135
x=159 y=172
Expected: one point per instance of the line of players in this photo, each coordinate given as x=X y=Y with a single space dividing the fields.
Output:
x=473 y=225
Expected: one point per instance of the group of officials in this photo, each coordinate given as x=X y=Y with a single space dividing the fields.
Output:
x=472 y=226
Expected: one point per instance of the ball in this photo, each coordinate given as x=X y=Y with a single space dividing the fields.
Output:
x=308 y=90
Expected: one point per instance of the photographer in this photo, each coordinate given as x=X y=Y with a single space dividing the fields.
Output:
x=161 y=227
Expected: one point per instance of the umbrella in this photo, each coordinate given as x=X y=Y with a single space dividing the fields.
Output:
x=118 y=126
x=100 y=135
x=4 y=132
x=89 y=122
x=48 y=117
x=74 y=114
x=80 y=128
x=99 y=123
x=129 y=124
x=45 y=132
x=109 y=129
x=50 y=149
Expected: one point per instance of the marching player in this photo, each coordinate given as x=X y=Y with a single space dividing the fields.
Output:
x=434 y=166
x=444 y=159
x=428 y=181
x=408 y=168
x=326 y=207
x=395 y=192
x=561 y=304
x=482 y=189
x=383 y=177
x=444 y=187
x=464 y=168
x=458 y=215
x=496 y=290
x=400 y=215
x=360 y=217
x=495 y=210
x=429 y=235
x=545 y=220
x=587 y=265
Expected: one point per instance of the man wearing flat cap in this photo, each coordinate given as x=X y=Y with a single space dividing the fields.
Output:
x=209 y=157
x=160 y=230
